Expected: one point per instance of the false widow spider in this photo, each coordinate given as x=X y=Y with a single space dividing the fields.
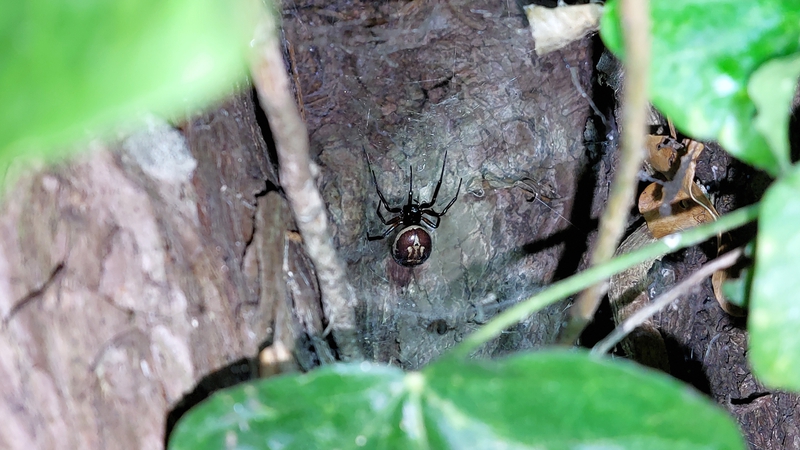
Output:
x=412 y=245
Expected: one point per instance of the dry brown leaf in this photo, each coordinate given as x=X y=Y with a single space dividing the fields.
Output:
x=668 y=212
x=693 y=150
x=686 y=207
x=670 y=206
x=685 y=212
x=680 y=203
x=662 y=152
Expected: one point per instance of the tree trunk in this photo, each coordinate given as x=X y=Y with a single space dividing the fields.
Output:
x=404 y=83
x=149 y=272
x=131 y=273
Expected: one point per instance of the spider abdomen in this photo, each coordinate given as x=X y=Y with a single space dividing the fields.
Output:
x=412 y=246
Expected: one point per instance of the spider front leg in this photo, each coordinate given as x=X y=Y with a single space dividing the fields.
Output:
x=438 y=185
x=383 y=199
x=458 y=189
x=438 y=215
x=378 y=189
x=392 y=223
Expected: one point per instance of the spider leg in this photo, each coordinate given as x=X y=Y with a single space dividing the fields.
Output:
x=433 y=213
x=438 y=185
x=377 y=188
x=390 y=221
x=393 y=224
x=383 y=199
x=458 y=189
x=410 y=183
x=430 y=223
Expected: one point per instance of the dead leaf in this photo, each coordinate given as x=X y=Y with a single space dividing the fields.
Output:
x=680 y=203
x=662 y=152
x=684 y=213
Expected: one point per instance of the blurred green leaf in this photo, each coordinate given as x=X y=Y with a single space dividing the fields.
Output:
x=772 y=89
x=737 y=290
x=774 y=318
x=703 y=55
x=69 y=67
x=546 y=400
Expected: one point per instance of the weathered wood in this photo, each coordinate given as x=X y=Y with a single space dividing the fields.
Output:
x=122 y=280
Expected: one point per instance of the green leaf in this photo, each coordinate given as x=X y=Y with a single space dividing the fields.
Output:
x=67 y=67
x=774 y=318
x=545 y=400
x=737 y=290
x=772 y=89
x=703 y=55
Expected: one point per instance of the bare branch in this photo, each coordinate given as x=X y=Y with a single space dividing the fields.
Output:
x=644 y=314
x=291 y=141
x=636 y=23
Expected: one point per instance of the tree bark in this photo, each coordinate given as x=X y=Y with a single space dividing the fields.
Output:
x=131 y=273
x=149 y=272
x=405 y=82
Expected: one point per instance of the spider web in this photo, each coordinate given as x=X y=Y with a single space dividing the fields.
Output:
x=422 y=82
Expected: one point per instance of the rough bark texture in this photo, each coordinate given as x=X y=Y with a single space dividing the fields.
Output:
x=127 y=276
x=405 y=82
x=157 y=266
x=151 y=267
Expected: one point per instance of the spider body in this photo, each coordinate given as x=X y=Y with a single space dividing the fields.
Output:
x=413 y=244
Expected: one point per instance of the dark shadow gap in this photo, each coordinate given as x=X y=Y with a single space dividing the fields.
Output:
x=230 y=375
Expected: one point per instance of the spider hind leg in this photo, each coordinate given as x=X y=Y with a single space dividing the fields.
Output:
x=393 y=224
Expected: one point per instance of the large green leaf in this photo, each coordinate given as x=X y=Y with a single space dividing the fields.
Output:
x=545 y=400
x=774 y=321
x=703 y=54
x=772 y=89
x=71 y=66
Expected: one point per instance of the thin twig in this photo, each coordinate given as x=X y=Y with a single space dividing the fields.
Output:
x=291 y=141
x=644 y=314
x=636 y=23
x=582 y=280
